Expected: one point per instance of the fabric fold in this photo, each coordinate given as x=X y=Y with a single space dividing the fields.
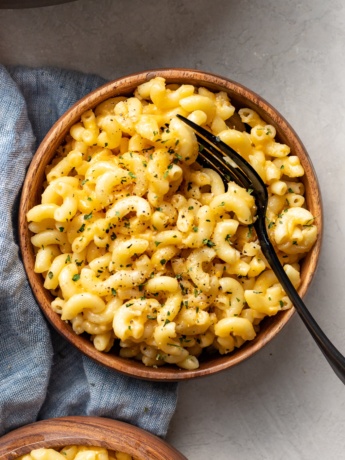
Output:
x=41 y=375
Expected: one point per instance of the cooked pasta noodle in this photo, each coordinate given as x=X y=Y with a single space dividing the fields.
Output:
x=76 y=453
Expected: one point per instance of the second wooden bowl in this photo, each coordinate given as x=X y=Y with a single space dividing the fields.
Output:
x=86 y=431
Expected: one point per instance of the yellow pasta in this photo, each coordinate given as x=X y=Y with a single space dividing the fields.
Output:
x=141 y=245
x=76 y=453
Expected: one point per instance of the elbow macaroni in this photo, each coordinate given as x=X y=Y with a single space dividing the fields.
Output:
x=139 y=244
x=76 y=453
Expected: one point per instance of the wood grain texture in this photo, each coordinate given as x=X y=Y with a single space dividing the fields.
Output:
x=32 y=189
x=87 y=431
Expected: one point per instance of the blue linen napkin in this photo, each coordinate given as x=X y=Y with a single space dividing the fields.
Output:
x=41 y=375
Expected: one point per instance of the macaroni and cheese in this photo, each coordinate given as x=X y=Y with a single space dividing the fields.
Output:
x=141 y=245
x=75 y=453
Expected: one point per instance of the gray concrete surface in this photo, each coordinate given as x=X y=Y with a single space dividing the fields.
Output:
x=284 y=403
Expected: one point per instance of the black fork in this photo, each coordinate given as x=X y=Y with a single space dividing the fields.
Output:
x=216 y=155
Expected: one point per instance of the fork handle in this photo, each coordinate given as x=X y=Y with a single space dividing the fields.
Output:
x=331 y=353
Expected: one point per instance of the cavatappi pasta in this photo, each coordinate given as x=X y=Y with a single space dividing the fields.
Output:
x=140 y=244
x=75 y=453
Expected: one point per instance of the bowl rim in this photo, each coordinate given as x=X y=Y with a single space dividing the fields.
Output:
x=124 y=86
x=93 y=431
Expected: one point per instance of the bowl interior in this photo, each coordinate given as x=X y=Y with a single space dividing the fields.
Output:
x=86 y=431
x=32 y=189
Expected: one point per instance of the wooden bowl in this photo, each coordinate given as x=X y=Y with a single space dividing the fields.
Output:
x=86 y=431
x=32 y=189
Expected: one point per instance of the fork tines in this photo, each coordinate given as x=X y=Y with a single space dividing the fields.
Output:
x=225 y=159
